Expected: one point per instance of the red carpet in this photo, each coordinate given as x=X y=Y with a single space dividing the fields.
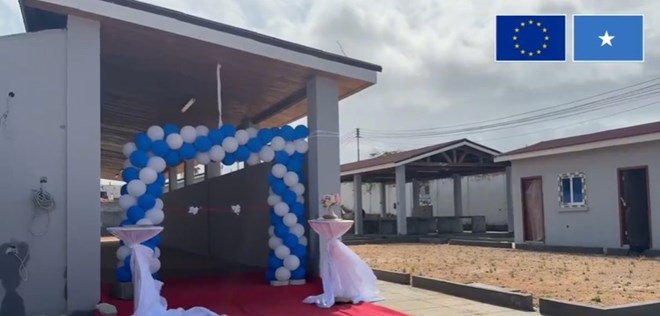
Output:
x=247 y=295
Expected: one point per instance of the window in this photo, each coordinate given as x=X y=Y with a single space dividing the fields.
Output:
x=572 y=190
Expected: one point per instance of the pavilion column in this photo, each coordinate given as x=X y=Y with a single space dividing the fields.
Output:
x=383 y=199
x=357 y=204
x=188 y=173
x=401 y=212
x=458 y=195
x=509 y=200
x=173 y=175
x=323 y=156
x=416 y=209
x=213 y=170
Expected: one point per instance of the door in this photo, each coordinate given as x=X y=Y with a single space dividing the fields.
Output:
x=532 y=207
x=634 y=208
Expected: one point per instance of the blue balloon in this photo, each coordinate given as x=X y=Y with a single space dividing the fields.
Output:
x=170 y=129
x=228 y=130
x=134 y=214
x=203 y=143
x=125 y=223
x=298 y=274
x=160 y=179
x=255 y=145
x=270 y=275
x=275 y=220
x=289 y=197
x=160 y=148
x=290 y=240
x=127 y=261
x=279 y=187
x=281 y=230
x=187 y=151
x=275 y=131
x=274 y=262
x=287 y=133
x=139 y=158
x=281 y=157
x=294 y=165
x=154 y=241
x=242 y=153
x=124 y=189
x=299 y=251
x=229 y=159
x=173 y=159
x=271 y=178
x=265 y=135
x=123 y=274
x=154 y=190
x=147 y=201
x=142 y=141
x=298 y=209
x=129 y=174
x=149 y=245
x=216 y=137
x=300 y=132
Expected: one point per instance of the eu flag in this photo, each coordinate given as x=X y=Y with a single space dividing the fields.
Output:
x=530 y=38
x=608 y=38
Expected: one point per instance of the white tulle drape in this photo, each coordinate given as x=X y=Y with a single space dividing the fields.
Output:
x=345 y=276
x=146 y=295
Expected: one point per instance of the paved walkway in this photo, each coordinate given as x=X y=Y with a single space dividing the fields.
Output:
x=418 y=302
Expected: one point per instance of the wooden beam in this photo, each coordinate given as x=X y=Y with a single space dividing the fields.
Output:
x=460 y=159
x=447 y=158
x=281 y=106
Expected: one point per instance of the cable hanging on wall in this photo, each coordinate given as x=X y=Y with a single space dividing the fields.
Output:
x=5 y=115
x=43 y=202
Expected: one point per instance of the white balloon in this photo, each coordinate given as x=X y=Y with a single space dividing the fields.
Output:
x=128 y=149
x=126 y=201
x=127 y=163
x=271 y=231
x=136 y=188
x=282 y=274
x=174 y=141
x=298 y=230
x=202 y=130
x=289 y=148
x=278 y=143
x=157 y=164
x=242 y=137
x=282 y=251
x=290 y=220
x=274 y=242
x=216 y=153
x=291 y=178
x=252 y=132
x=273 y=199
x=230 y=144
x=281 y=209
x=302 y=240
x=148 y=175
x=203 y=158
x=155 y=132
x=155 y=215
x=270 y=191
x=144 y=222
x=300 y=199
x=267 y=154
x=156 y=252
x=299 y=188
x=189 y=134
x=154 y=265
x=302 y=146
x=159 y=204
x=253 y=160
x=278 y=170
x=123 y=252
x=291 y=262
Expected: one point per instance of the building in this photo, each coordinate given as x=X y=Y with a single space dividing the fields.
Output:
x=590 y=190
x=90 y=74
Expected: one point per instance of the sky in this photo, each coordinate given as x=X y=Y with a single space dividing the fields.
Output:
x=438 y=61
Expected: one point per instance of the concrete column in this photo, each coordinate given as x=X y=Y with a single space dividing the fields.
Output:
x=401 y=205
x=213 y=170
x=509 y=200
x=83 y=135
x=416 y=209
x=172 y=174
x=357 y=204
x=458 y=195
x=188 y=173
x=323 y=155
x=383 y=199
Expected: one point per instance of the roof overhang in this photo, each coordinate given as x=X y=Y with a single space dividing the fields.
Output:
x=580 y=147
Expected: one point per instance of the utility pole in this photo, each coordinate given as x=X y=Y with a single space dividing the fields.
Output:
x=357 y=136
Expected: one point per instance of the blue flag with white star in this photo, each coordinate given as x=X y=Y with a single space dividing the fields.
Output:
x=608 y=38
x=530 y=38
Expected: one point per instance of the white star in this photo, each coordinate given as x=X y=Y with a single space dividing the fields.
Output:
x=193 y=210
x=606 y=39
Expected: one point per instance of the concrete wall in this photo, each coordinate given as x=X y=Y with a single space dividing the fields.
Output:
x=482 y=195
x=33 y=141
x=598 y=226
x=216 y=230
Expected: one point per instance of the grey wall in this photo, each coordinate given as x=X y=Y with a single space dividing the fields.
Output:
x=599 y=225
x=216 y=230
x=33 y=145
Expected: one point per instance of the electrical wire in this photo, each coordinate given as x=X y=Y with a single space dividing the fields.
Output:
x=22 y=268
x=43 y=201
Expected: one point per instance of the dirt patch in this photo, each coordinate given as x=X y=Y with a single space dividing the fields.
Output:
x=591 y=279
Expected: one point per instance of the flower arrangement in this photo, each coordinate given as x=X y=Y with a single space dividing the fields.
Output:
x=328 y=201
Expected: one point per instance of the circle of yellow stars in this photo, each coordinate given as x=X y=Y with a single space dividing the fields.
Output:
x=531 y=23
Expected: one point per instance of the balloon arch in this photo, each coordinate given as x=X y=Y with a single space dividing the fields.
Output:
x=153 y=152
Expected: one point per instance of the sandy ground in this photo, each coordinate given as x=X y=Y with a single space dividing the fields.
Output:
x=597 y=280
